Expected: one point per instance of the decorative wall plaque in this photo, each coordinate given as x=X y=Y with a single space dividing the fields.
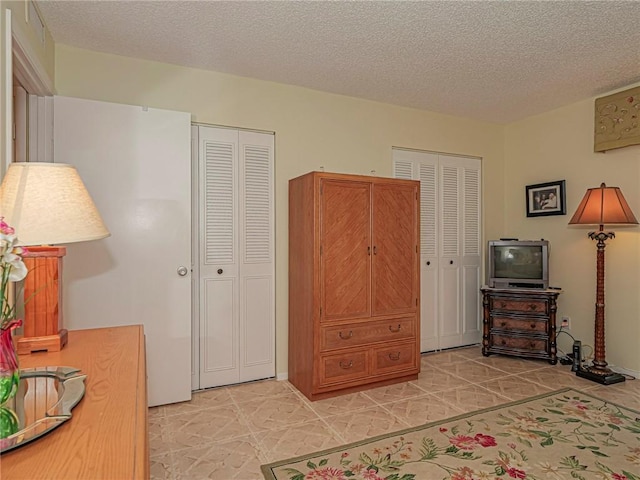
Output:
x=617 y=122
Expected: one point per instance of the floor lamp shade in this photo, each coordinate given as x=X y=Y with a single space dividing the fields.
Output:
x=602 y=206
x=47 y=204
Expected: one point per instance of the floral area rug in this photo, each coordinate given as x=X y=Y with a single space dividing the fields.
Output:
x=561 y=435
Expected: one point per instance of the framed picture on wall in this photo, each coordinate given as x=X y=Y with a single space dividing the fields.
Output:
x=545 y=199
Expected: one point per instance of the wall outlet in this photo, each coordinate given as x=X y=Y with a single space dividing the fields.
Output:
x=566 y=321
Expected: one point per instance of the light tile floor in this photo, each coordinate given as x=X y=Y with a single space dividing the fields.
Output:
x=227 y=433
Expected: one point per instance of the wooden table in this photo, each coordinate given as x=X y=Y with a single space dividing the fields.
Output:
x=107 y=436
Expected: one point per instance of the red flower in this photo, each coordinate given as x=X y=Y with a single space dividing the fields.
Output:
x=371 y=475
x=485 y=440
x=617 y=476
x=463 y=442
x=516 y=473
x=328 y=473
x=442 y=429
x=465 y=473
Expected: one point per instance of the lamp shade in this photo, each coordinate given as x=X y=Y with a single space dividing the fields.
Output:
x=603 y=205
x=47 y=204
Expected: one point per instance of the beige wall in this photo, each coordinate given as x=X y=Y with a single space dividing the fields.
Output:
x=41 y=56
x=5 y=87
x=313 y=129
x=558 y=145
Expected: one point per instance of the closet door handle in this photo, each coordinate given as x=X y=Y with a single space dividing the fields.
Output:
x=450 y=262
x=348 y=336
x=428 y=262
x=395 y=330
x=368 y=250
x=346 y=366
x=375 y=250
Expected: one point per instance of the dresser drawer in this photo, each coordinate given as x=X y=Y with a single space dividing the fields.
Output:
x=364 y=333
x=395 y=358
x=524 y=325
x=344 y=367
x=538 y=306
x=532 y=344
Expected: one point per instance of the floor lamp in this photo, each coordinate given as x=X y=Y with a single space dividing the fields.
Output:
x=47 y=204
x=600 y=206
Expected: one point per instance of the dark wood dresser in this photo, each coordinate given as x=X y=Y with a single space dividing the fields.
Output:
x=520 y=322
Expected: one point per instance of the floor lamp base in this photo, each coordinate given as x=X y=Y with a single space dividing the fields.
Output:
x=605 y=377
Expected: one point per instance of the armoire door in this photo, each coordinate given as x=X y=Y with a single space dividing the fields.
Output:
x=395 y=254
x=235 y=252
x=345 y=249
x=450 y=263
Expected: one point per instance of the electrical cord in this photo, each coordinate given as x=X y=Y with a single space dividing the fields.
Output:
x=565 y=332
x=584 y=357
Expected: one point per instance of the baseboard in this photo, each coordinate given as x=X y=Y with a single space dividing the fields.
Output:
x=282 y=376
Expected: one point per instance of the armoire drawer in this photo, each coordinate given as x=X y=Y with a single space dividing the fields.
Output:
x=532 y=344
x=337 y=368
x=395 y=358
x=538 y=306
x=527 y=325
x=364 y=333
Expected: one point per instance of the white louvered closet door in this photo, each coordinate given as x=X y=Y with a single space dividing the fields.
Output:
x=236 y=257
x=449 y=245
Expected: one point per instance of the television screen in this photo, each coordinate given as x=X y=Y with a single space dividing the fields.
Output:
x=518 y=262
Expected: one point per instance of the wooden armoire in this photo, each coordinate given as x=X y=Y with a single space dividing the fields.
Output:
x=354 y=298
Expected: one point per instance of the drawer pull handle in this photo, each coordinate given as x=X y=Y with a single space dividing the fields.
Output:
x=428 y=262
x=396 y=330
x=503 y=324
x=345 y=366
x=532 y=344
x=395 y=357
x=504 y=342
x=348 y=336
x=503 y=305
x=533 y=325
x=533 y=306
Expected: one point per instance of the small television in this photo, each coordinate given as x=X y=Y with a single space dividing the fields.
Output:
x=518 y=264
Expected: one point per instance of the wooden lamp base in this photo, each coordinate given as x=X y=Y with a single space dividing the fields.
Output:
x=43 y=301
x=46 y=343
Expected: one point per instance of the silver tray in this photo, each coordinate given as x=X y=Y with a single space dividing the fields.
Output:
x=43 y=401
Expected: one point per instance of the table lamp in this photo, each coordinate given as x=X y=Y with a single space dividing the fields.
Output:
x=600 y=206
x=47 y=204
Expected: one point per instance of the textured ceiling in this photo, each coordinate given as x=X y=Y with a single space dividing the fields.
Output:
x=497 y=61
